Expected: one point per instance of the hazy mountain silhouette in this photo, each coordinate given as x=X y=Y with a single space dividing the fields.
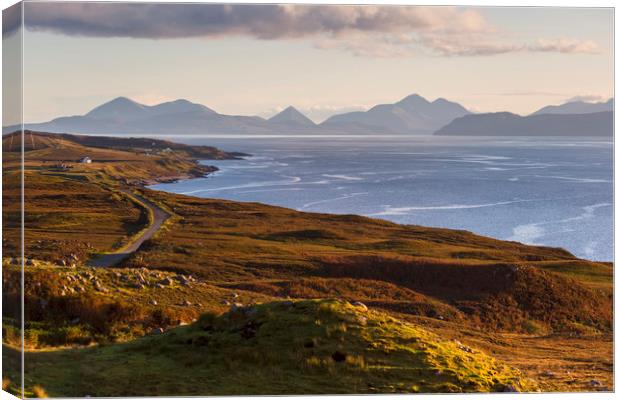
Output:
x=577 y=107
x=123 y=115
x=413 y=114
x=508 y=124
x=291 y=115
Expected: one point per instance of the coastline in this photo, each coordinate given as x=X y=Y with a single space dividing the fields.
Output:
x=205 y=170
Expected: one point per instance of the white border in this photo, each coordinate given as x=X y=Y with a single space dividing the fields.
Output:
x=488 y=3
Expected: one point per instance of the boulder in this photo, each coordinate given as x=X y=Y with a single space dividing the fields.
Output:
x=361 y=305
x=166 y=281
x=157 y=331
x=153 y=302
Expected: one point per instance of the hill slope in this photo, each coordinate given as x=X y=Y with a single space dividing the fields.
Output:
x=536 y=308
x=302 y=347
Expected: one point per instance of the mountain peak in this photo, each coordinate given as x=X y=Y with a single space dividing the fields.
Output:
x=291 y=115
x=116 y=107
x=413 y=100
x=180 y=106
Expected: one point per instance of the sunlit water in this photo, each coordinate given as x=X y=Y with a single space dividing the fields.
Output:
x=539 y=191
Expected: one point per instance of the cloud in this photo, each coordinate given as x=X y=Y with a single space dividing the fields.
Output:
x=11 y=19
x=588 y=98
x=564 y=45
x=165 y=21
x=370 y=31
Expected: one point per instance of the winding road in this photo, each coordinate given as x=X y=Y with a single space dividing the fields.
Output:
x=111 y=259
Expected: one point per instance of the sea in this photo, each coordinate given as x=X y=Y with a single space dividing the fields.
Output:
x=543 y=191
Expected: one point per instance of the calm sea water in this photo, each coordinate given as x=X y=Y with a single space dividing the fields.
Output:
x=539 y=191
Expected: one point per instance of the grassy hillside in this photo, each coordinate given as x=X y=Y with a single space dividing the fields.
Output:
x=300 y=347
x=435 y=295
x=458 y=274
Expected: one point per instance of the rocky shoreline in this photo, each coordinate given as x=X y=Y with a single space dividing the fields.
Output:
x=201 y=171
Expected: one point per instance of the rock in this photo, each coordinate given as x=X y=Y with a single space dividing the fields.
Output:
x=361 y=305
x=226 y=302
x=548 y=374
x=153 y=302
x=117 y=275
x=137 y=286
x=14 y=261
x=186 y=303
x=29 y=262
x=62 y=293
x=62 y=263
x=157 y=331
x=159 y=286
x=234 y=295
x=594 y=382
x=234 y=307
x=166 y=281
x=461 y=346
x=508 y=389
x=100 y=288
x=198 y=304
x=339 y=356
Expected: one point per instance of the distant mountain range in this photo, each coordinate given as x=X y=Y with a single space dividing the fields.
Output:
x=413 y=115
x=508 y=124
x=577 y=107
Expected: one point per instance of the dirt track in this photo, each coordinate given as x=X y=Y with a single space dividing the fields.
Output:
x=111 y=259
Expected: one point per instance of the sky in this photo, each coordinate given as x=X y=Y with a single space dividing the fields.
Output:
x=259 y=59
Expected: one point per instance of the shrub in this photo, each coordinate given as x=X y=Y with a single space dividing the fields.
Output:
x=39 y=392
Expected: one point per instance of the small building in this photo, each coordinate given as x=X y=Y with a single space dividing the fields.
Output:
x=86 y=160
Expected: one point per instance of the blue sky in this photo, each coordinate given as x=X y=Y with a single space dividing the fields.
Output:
x=321 y=60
